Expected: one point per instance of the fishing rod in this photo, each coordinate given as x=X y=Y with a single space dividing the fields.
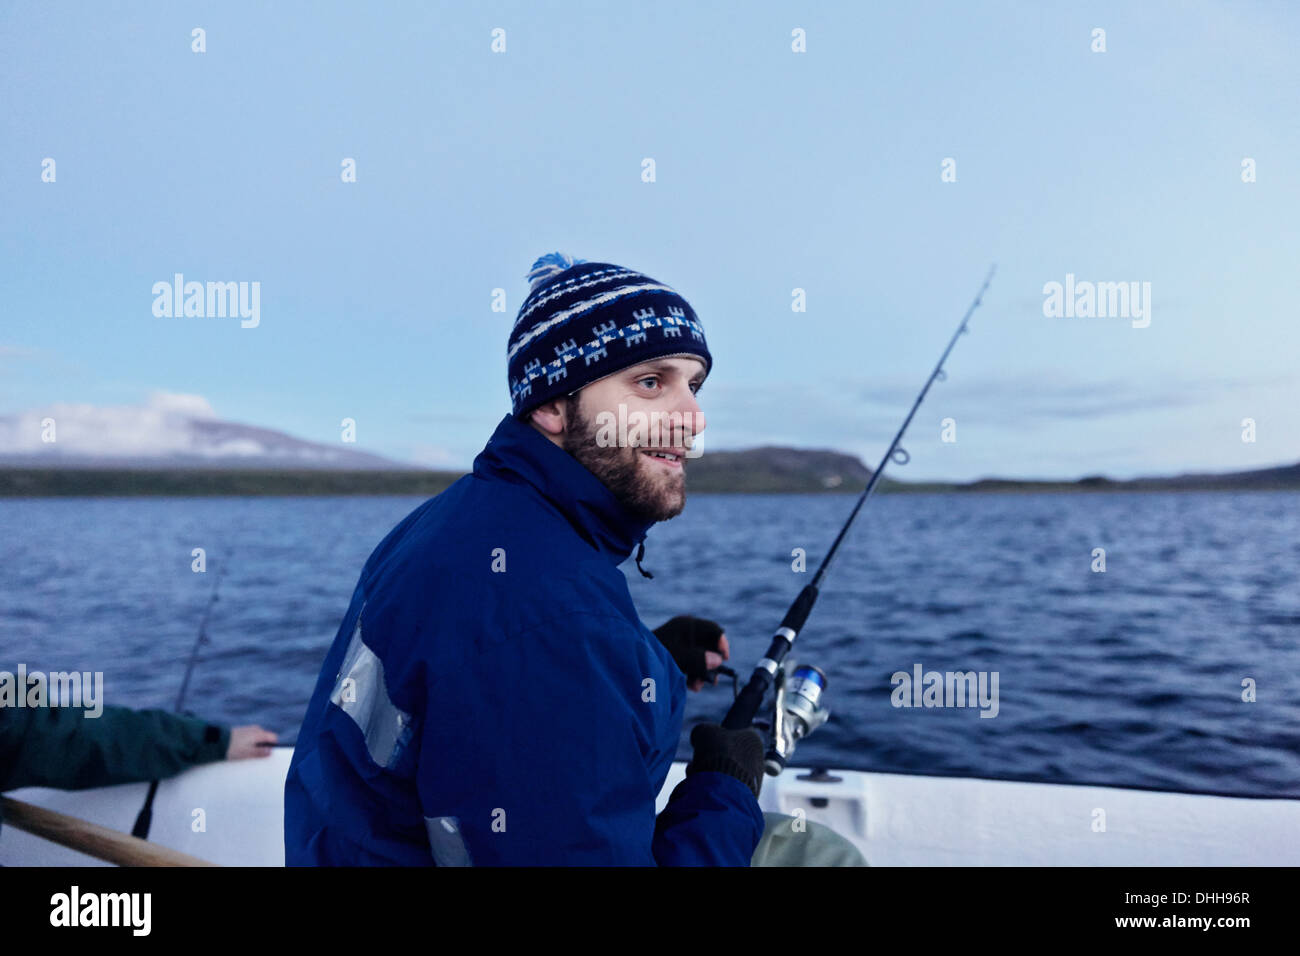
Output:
x=145 y=817
x=798 y=709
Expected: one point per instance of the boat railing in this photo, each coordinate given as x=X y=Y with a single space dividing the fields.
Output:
x=91 y=839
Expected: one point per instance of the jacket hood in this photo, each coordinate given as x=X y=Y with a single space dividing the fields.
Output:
x=518 y=452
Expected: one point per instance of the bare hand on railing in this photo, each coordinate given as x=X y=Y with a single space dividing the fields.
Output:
x=250 y=741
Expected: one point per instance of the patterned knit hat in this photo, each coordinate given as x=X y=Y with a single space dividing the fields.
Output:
x=583 y=321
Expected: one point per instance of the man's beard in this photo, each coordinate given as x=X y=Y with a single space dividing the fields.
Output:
x=648 y=497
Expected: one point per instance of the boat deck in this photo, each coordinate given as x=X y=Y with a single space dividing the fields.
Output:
x=894 y=819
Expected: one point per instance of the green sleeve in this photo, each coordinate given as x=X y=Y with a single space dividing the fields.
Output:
x=62 y=747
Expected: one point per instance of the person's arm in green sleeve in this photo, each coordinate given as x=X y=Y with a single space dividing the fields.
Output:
x=61 y=747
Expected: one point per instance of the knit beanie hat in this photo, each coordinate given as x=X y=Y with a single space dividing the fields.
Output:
x=583 y=321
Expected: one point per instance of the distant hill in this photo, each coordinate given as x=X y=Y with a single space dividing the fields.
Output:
x=1284 y=477
x=198 y=482
x=755 y=471
x=798 y=470
x=771 y=469
x=175 y=445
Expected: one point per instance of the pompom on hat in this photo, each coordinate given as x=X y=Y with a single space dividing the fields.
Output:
x=583 y=321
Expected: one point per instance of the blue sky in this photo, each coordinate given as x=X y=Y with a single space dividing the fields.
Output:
x=775 y=170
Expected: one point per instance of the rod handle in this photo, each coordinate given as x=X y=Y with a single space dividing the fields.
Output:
x=748 y=701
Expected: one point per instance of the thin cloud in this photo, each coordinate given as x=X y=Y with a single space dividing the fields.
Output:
x=158 y=427
x=1043 y=399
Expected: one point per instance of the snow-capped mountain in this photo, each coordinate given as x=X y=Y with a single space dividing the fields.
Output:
x=170 y=431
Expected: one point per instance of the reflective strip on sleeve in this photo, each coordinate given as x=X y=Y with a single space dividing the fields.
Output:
x=446 y=842
x=361 y=694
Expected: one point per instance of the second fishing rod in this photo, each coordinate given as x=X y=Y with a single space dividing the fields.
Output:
x=798 y=709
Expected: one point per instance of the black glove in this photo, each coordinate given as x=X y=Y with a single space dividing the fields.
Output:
x=686 y=639
x=737 y=753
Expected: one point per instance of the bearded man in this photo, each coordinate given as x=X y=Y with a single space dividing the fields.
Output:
x=492 y=697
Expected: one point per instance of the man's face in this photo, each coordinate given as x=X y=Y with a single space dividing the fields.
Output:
x=632 y=431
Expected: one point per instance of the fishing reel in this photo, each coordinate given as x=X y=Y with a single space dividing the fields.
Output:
x=797 y=710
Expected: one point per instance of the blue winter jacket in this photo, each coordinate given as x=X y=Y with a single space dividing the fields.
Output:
x=492 y=690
